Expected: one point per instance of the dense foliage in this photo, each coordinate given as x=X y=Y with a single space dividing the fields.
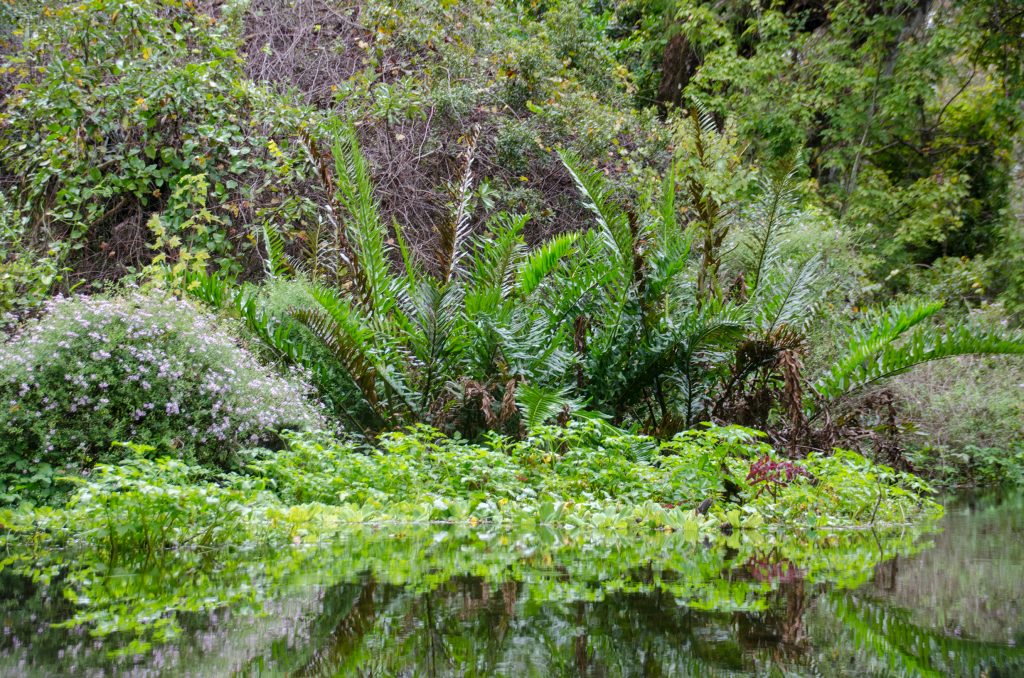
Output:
x=249 y=537
x=905 y=110
x=272 y=270
x=590 y=474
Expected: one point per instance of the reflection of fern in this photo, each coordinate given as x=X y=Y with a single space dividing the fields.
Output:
x=911 y=650
x=893 y=340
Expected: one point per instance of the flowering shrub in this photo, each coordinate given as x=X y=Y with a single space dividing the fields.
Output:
x=149 y=368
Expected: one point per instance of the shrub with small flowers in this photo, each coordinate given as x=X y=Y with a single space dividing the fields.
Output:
x=144 y=367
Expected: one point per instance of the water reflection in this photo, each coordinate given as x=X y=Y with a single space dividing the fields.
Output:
x=440 y=602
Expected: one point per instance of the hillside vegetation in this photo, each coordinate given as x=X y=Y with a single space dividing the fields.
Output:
x=486 y=217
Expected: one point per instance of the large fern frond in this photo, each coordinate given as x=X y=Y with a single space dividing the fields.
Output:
x=894 y=340
x=789 y=298
x=277 y=264
x=453 y=234
x=430 y=333
x=337 y=325
x=772 y=214
x=538 y=404
x=542 y=261
x=364 y=227
x=612 y=220
x=497 y=257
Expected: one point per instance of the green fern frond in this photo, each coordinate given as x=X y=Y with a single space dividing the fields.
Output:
x=789 y=298
x=277 y=260
x=364 y=227
x=773 y=214
x=338 y=327
x=538 y=404
x=894 y=341
x=542 y=261
x=704 y=118
x=612 y=220
x=498 y=253
x=430 y=333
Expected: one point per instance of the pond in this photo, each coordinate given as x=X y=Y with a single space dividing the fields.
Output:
x=946 y=599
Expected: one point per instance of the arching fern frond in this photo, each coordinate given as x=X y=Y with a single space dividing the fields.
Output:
x=542 y=261
x=538 y=404
x=894 y=340
x=772 y=214
x=789 y=298
x=612 y=220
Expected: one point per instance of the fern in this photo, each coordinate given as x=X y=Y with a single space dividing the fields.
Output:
x=895 y=340
x=773 y=215
x=539 y=404
x=453 y=234
x=542 y=261
x=789 y=299
x=277 y=260
x=364 y=228
x=612 y=221
x=496 y=261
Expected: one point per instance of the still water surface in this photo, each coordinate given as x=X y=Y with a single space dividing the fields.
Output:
x=946 y=600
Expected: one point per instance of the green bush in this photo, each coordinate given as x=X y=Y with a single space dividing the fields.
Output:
x=114 y=107
x=140 y=367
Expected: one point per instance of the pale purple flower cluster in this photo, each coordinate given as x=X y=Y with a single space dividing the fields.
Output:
x=142 y=363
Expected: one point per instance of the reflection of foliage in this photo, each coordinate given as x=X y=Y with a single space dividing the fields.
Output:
x=542 y=572
x=911 y=650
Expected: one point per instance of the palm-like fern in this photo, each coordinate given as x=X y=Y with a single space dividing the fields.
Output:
x=654 y=352
x=893 y=340
x=539 y=404
x=408 y=338
x=772 y=215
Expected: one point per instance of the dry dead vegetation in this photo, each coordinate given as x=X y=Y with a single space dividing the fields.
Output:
x=309 y=49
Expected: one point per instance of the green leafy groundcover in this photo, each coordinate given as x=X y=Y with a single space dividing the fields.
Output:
x=131 y=530
x=588 y=474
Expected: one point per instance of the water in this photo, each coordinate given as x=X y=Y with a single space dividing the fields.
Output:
x=945 y=600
